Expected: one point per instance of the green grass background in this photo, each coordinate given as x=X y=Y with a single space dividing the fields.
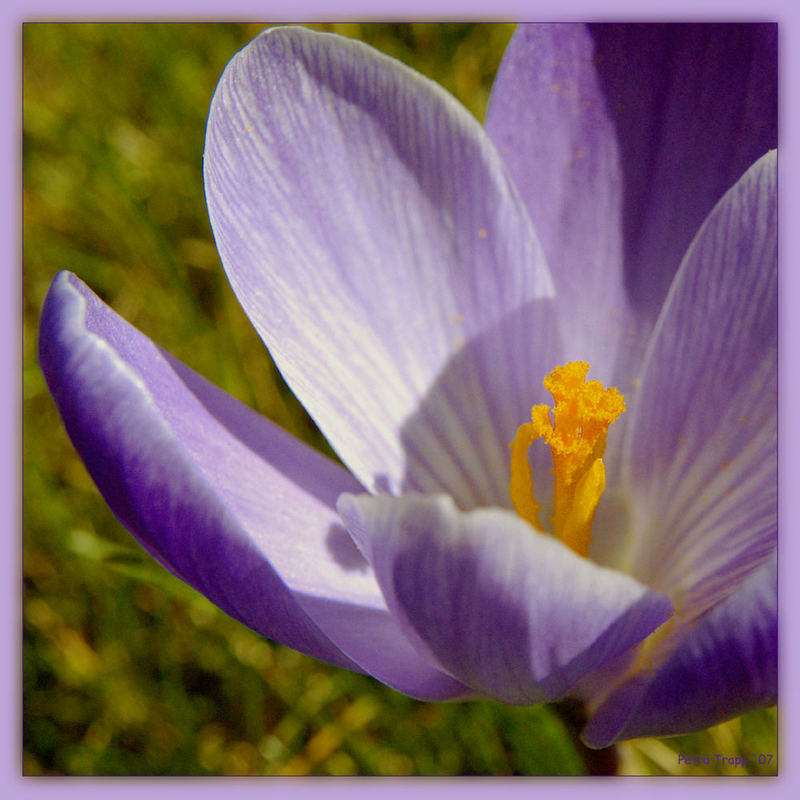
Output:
x=126 y=670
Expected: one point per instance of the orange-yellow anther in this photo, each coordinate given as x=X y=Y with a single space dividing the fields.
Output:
x=581 y=416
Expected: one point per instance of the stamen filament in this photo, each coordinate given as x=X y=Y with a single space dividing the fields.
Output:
x=581 y=416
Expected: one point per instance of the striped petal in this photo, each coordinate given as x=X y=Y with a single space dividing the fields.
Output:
x=370 y=231
x=701 y=450
x=509 y=612
x=622 y=138
x=727 y=665
x=549 y=119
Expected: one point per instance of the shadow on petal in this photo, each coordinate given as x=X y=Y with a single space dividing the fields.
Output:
x=511 y=613
x=343 y=550
x=694 y=106
x=457 y=441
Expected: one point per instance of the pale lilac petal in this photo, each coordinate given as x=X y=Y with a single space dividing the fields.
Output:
x=549 y=119
x=727 y=665
x=701 y=446
x=694 y=107
x=621 y=140
x=370 y=231
x=223 y=498
x=507 y=611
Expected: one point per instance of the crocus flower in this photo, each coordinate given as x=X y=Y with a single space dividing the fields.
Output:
x=417 y=278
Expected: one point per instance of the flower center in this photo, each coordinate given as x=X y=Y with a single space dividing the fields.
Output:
x=582 y=414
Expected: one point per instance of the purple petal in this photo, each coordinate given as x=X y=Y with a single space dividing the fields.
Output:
x=508 y=611
x=694 y=107
x=726 y=666
x=549 y=119
x=702 y=439
x=220 y=496
x=369 y=230
x=621 y=141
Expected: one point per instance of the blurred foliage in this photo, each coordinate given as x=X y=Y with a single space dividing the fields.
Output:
x=126 y=670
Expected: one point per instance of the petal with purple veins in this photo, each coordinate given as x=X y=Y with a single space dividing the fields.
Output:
x=371 y=233
x=701 y=444
x=509 y=612
x=726 y=665
x=621 y=139
x=549 y=120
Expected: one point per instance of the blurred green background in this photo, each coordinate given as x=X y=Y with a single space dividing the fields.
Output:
x=126 y=670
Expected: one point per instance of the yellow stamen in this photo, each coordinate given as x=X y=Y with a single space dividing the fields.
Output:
x=582 y=414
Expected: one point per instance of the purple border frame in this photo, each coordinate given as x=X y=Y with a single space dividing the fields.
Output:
x=785 y=12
